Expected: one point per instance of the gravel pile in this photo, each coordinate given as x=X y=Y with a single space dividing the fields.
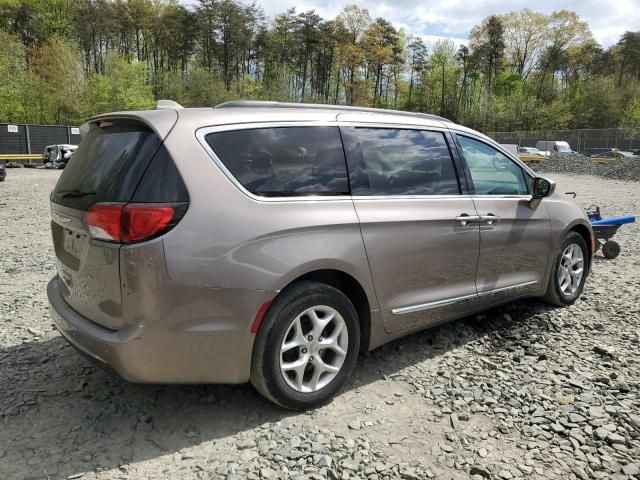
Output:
x=627 y=168
x=568 y=164
x=520 y=392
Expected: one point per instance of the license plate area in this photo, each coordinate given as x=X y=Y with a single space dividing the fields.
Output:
x=72 y=242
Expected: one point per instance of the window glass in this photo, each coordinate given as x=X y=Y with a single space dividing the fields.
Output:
x=284 y=161
x=403 y=162
x=492 y=172
x=107 y=166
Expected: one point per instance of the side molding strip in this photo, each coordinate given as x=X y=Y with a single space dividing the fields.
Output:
x=464 y=298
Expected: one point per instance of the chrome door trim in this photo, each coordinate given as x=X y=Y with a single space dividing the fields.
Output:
x=450 y=301
x=430 y=305
x=506 y=289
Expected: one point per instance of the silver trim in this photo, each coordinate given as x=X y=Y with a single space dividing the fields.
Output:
x=202 y=132
x=430 y=305
x=435 y=126
x=504 y=289
x=439 y=197
x=450 y=301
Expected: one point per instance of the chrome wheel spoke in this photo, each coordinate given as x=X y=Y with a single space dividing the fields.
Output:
x=333 y=341
x=570 y=269
x=297 y=340
x=298 y=367
x=309 y=361
x=319 y=324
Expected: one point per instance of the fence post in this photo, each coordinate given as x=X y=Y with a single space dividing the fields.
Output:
x=26 y=128
x=68 y=134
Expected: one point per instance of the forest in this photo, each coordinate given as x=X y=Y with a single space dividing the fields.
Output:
x=63 y=61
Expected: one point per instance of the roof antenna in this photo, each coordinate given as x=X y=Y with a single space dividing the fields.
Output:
x=167 y=105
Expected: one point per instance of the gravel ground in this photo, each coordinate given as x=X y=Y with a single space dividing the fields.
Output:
x=524 y=391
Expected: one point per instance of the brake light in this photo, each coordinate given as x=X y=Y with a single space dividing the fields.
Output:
x=142 y=221
x=130 y=223
x=105 y=221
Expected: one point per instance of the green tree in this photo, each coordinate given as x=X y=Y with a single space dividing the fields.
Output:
x=13 y=66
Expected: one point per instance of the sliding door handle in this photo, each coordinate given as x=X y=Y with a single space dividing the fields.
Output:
x=465 y=218
x=490 y=219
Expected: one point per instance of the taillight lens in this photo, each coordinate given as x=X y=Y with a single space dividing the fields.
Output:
x=133 y=222
x=141 y=222
x=105 y=221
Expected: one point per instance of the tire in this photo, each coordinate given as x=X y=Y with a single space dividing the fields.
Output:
x=555 y=293
x=301 y=301
x=611 y=249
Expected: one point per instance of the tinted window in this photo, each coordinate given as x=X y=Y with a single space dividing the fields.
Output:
x=492 y=172
x=403 y=162
x=162 y=182
x=284 y=161
x=107 y=165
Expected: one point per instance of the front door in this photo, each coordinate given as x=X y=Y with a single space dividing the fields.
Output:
x=515 y=234
x=422 y=252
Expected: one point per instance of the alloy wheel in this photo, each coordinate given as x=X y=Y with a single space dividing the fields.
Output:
x=570 y=269
x=314 y=349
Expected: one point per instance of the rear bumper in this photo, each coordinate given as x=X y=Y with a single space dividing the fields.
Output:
x=171 y=349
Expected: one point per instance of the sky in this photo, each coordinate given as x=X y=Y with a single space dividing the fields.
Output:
x=454 y=19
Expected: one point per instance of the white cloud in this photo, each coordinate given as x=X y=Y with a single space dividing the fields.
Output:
x=608 y=19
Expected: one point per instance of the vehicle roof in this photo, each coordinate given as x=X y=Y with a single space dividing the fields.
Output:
x=242 y=111
x=255 y=112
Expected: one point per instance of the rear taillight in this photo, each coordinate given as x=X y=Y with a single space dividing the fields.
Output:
x=132 y=222
x=104 y=221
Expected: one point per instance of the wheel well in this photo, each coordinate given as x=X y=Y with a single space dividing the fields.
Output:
x=354 y=291
x=586 y=234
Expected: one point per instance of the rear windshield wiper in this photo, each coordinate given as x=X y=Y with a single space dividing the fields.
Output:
x=75 y=193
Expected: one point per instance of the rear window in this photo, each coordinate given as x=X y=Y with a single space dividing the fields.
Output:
x=107 y=166
x=284 y=161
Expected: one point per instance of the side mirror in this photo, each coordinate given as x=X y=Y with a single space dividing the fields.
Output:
x=542 y=187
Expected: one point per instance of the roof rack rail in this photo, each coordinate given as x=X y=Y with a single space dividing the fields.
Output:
x=167 y=105
x=322 y=106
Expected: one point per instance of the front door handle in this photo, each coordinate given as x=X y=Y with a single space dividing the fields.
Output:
x=490 y=218
x=465 y=218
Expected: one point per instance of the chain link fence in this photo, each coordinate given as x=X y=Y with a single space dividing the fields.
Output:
x=580 y=140
x=32 y=139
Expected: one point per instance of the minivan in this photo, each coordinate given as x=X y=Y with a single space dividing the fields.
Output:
x=553 y=146
x=272 y=242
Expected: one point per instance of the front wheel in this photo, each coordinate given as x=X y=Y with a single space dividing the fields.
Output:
x=306 y=347
x=569 y=271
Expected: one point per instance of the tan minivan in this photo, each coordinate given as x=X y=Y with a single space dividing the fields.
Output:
x=271 y=243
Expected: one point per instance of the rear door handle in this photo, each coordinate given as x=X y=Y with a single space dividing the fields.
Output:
x=465 y=218
x=490 y=219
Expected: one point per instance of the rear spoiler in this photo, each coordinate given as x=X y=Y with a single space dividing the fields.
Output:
x=161 y=121
x=167 y=105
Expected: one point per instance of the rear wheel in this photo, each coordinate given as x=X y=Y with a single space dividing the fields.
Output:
x=306 y=347
x=569 y=271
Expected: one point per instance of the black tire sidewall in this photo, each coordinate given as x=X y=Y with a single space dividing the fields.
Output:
x=275 y=328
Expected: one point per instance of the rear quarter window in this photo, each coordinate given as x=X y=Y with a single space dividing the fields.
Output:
x=284 y=161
